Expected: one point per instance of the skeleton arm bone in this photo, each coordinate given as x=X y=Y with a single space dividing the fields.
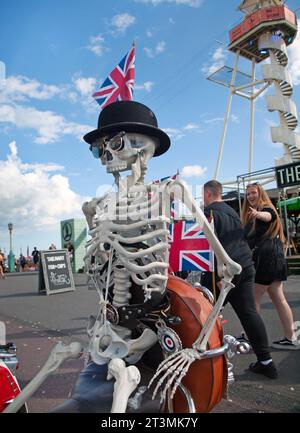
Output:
x=226 y=266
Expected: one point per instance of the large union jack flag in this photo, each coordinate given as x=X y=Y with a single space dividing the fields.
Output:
x=189 y=248
x=120 y=82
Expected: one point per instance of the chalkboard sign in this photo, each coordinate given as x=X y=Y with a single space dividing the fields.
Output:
x=55 y=272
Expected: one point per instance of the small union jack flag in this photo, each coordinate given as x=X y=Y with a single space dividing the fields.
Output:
x=164 y=179
x=118 y=86
x=189 y=248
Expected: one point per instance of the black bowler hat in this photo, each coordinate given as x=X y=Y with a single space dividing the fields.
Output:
x=129 y=116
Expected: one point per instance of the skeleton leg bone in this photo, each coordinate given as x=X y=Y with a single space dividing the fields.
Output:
x=59 y=353
x=127 y=379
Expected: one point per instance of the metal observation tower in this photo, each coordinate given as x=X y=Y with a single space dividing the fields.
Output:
x=268 y=27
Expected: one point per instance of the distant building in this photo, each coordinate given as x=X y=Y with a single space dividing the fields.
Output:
x=74 y=232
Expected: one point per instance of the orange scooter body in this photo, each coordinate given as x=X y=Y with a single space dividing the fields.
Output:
x=206 y=380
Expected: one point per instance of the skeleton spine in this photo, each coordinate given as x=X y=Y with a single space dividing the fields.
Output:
x=121 y=286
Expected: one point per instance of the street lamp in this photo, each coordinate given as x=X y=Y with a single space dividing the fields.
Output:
x=11 y=257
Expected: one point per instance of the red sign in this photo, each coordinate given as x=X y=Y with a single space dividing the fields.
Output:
x=262 y=15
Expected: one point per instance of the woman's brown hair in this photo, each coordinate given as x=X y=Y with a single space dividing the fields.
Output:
x=275 y=228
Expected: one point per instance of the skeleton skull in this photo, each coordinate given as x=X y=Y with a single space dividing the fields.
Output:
x=120 y=152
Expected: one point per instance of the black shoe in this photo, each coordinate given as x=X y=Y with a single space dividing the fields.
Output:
x=285 y=343
x=268 y=370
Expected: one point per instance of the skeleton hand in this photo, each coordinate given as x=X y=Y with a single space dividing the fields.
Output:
x=89 y=209
x=176 y=366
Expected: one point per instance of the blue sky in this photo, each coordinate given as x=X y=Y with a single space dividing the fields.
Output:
x=57 y=53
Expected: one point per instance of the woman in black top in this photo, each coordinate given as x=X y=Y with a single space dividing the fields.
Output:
x=264 y=233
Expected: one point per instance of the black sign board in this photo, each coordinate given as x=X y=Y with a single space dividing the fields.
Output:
x=288 y=175
x=55 y=272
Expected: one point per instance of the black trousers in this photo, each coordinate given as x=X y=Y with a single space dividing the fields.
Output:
x=241 y=299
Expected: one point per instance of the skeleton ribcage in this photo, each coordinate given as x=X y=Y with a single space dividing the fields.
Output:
x=132 y=231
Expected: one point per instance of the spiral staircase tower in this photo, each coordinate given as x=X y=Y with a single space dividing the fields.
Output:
x=278 y=73
x=265 y=32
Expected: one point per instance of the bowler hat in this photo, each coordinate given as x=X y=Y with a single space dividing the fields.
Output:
x=129 y=116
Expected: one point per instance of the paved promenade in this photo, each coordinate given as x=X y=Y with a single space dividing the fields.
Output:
x=36 y=322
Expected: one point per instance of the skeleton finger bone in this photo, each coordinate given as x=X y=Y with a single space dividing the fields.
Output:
x=178 y=363
x=173 y=382
x=127 y=379
x=169 y=371
x=184 y=371
x=162 y=367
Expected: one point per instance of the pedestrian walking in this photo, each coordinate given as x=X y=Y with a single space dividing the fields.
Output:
x=264 y=233
x=70 y=249
x=23 y=263
x=35 y=257
x=2 y=265
x=230 y=233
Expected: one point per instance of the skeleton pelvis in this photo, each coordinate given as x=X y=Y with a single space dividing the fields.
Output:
x=106 y=344
x=206 y=380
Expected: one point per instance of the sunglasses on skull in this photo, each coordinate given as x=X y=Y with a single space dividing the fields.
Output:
x=114 y=142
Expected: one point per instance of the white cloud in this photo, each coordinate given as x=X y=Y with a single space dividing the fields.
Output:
x=158 y=49
x=174 y=133
x=49 y=126
x=145 y=86
x=20 y=88
x=85 y=86
x=217 y=61
x=191 y=126
x=191 y=3
x=193 y=171
x=294 y=59
x=149 y=52
x=215 y=119
x=33 y=196
x=96 y=45
x=120 y=23
x=7 y=114
x=178 y=133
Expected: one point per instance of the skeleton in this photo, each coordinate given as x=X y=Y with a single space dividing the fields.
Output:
x=129 y=243
x=127 y=261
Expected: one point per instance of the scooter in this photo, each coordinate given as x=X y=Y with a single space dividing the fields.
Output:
x=9 y=387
